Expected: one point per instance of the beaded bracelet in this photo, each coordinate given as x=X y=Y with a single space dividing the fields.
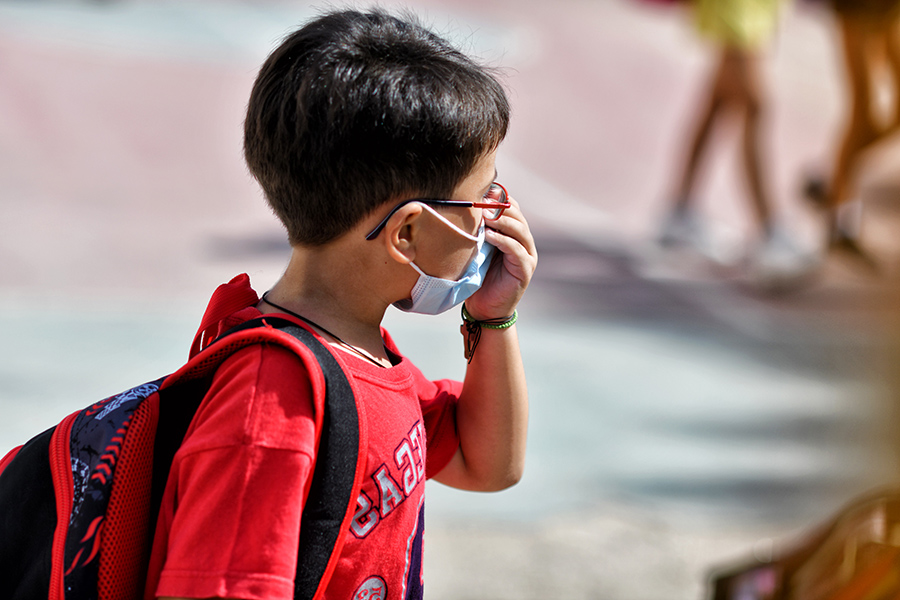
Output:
x=471 y=329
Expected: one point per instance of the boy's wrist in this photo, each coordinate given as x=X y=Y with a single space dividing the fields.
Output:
x=468 y=315
x=471 y=329
x=502 y=322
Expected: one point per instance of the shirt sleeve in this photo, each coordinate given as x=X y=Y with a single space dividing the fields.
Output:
x=240 y=480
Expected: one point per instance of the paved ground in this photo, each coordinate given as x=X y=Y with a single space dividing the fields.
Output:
x=680 y=417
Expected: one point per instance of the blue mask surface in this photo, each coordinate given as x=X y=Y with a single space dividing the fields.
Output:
x=433 y=295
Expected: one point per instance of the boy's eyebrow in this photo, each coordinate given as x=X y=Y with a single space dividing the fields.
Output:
x=485 y=189
x=488 y=186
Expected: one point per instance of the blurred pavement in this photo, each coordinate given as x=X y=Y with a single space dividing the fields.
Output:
x=680 y=418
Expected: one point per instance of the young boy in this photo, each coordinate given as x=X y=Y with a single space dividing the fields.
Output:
x=374 y=142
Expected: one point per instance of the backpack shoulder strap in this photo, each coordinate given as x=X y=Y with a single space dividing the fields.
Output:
x=335 y=484
x=337 y=475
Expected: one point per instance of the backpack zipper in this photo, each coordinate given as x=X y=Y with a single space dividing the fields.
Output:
x=63 y=483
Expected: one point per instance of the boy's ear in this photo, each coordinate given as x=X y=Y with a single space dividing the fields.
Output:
x=401 y=234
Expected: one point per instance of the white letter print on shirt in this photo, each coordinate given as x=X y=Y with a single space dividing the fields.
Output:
x=414 y=470
x=389 y=494
x=408 y=468
x=366 y=517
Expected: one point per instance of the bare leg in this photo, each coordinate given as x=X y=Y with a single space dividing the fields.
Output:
x=736 y=84
x=747 y=89
x=701 y=137
x=860 y=37
x=776 y=262
x=860 y=130
x=892 y=40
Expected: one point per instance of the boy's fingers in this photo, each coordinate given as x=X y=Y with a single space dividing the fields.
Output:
x=516 y=227
x=511 y=235
x=514 y=240
x=515 y=250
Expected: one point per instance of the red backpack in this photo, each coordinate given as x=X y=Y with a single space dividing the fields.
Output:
x=78 y=503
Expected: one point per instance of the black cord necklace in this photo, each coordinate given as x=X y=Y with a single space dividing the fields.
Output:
x=350 y=347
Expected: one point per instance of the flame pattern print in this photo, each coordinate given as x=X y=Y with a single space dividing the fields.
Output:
x=95 y=443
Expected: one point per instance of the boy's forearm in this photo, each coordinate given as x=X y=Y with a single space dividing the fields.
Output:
x=492 y=415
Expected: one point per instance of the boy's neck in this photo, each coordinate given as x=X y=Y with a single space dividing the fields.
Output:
x=333 y=286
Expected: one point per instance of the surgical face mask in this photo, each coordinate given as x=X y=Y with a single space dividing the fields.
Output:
x=433 y=295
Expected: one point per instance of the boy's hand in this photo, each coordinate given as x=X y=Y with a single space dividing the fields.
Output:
x=511 y=271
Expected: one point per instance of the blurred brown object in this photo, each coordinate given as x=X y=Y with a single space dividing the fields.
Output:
x=855 y=556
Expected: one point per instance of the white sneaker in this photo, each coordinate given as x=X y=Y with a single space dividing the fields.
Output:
x=682 y=229
x=778 y=263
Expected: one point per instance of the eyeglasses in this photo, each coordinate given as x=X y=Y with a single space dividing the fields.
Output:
x=495 y=201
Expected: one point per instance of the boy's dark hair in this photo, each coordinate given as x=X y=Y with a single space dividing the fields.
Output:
x=355 y=109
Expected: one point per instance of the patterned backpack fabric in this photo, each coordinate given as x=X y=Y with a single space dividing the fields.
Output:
x=78 y=503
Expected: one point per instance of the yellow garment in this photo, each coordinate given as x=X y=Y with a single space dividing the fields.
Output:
x=745 y=24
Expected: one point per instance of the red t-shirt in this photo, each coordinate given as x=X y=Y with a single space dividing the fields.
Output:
x=230 y=517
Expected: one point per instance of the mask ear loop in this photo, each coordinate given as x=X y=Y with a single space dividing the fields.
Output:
x=468 y=236
x=475 y=238
x=418 y=270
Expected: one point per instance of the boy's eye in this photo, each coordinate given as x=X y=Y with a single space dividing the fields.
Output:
x=495 y=193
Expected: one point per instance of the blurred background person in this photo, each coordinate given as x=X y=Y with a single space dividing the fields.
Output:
x=870 y=39
x=740 y=30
